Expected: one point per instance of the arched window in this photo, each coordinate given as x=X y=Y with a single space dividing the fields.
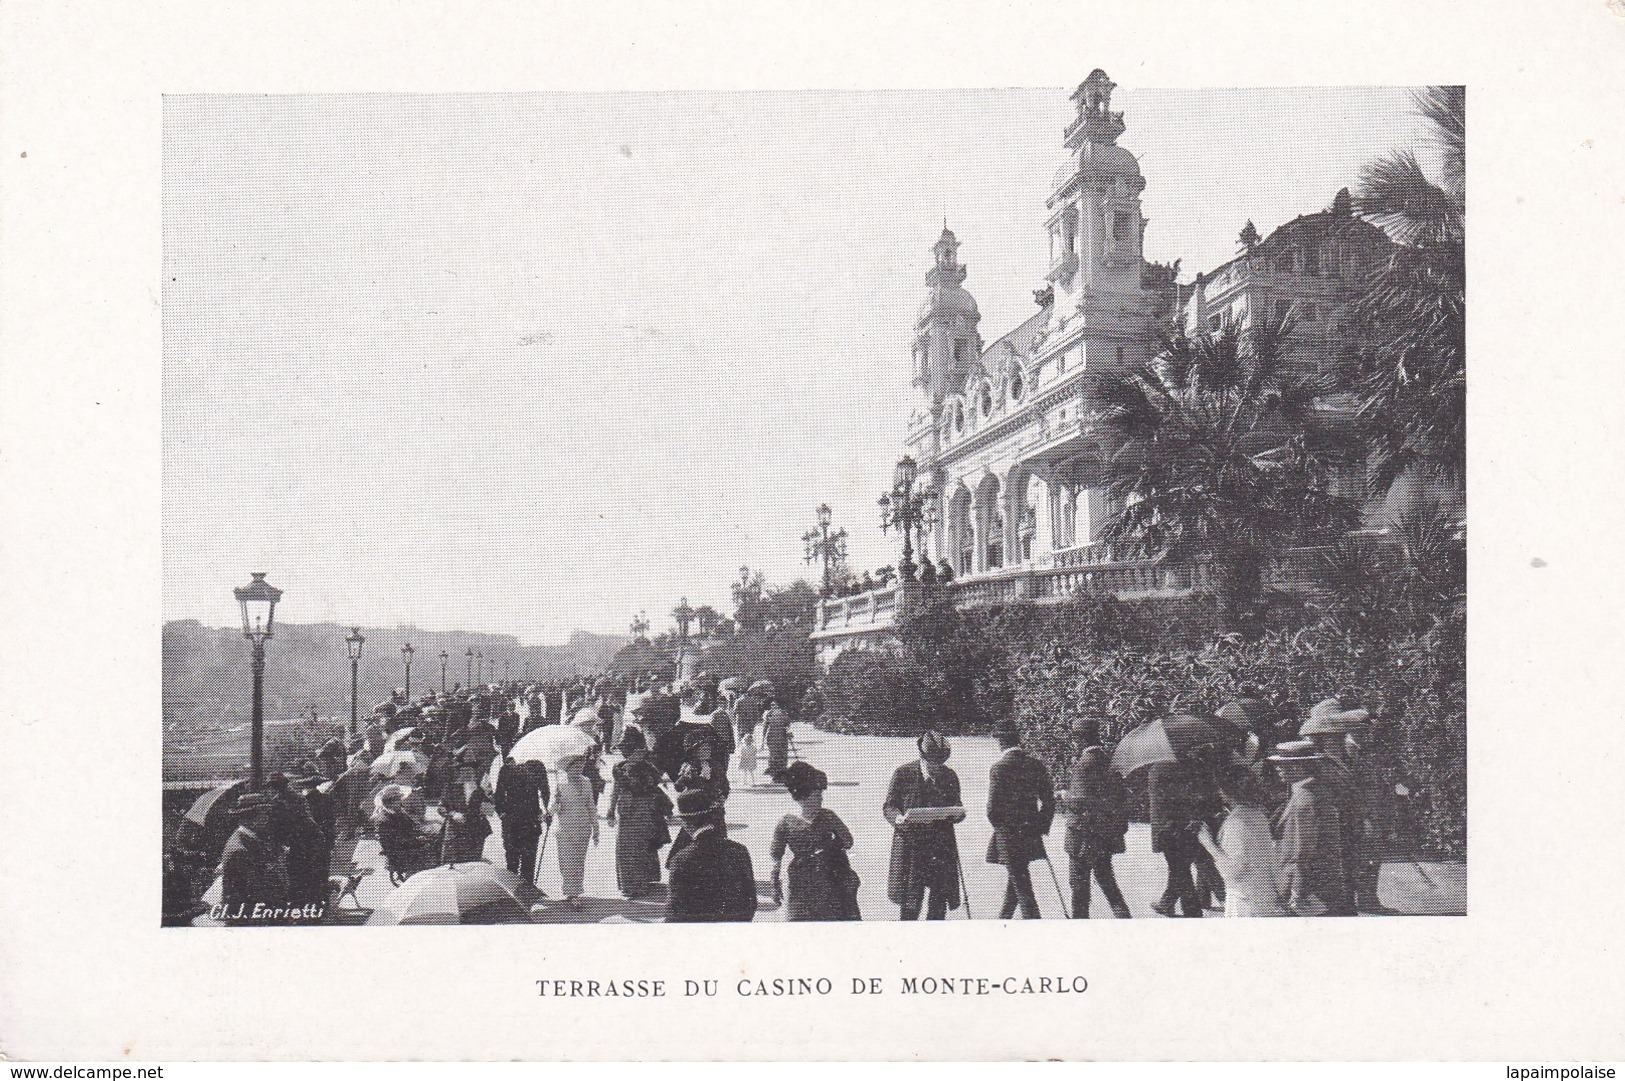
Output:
x=1017 y=387
x=959 y=417
x=987 y=400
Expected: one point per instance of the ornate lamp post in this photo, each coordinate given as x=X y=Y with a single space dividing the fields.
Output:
x=353 y=642
x=406 y=659
x=507 y=671
x=904 y=509
x=479 y=666
x=822 y=545
x=258 y=602
x=443 y=658
x=640 y=625
x=684 y=615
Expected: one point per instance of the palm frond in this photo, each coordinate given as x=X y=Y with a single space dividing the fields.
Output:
x=1396 y=195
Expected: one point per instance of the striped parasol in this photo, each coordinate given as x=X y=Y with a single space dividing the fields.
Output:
x=472 y=893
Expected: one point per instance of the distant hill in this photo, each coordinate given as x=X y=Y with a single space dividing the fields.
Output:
x=206 y=668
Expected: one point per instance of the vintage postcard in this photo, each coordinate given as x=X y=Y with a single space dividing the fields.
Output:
x=1039 y=503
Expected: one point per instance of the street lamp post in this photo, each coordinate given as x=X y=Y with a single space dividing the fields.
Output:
x=406 y=659
x=479 y=666
x=444 y=656
x=353 y=642
x=684 y=615
x=468 y=676
x=258 y=602
x=822 y=545
x=507 y=671
x=904 y=509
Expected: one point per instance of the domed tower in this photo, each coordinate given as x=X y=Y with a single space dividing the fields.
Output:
x=1095 y=225
x=946 y=342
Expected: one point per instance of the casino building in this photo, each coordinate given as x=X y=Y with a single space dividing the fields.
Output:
x=1002 y=433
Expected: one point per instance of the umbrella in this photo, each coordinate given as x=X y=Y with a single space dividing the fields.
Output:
x=391 y=763
x=395 y=737
x=459 y=893
x=1173 y=739
x=214 y=803
x=732 y=685
x=762 y=686
x=552 y=744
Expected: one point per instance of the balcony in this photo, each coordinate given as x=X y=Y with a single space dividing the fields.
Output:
x=876 y=612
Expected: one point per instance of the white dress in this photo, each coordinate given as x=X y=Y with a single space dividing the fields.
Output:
x=575 y=814
x=1247 y=858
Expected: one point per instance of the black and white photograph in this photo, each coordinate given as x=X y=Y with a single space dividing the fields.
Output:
x=824 y=506
x=748 y=537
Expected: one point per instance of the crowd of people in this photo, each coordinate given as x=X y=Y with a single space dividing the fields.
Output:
x=1268 y=818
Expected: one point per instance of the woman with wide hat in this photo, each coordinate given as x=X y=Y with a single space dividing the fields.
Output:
x=924 y=851
x=638 y=808
x=464 y=806
x=822 y=884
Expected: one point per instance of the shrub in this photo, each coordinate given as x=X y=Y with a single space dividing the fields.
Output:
x=1125 y=663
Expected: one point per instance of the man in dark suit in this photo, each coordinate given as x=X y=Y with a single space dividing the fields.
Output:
x=1182 y=795
x=522 y=792
x=712 y=880
x=253 y=868
x=1021 y=807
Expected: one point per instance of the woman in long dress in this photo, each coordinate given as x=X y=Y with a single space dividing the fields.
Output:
x=1245 y=850
x=776 y=737
x=822 y=884
x=575 y=817
x=638 y=807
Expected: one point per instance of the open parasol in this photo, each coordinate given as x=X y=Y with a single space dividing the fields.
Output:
x=473 y=893
x=393 y=740
x=732 y=685
x=762 y=686
x=394 y=763
x=1174 y=739
x=552 y=744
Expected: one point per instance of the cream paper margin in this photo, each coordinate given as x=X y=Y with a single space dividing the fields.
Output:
x=1535 y=972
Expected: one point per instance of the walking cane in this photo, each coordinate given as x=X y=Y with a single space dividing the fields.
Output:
x=964 y=887
x=1055 y=878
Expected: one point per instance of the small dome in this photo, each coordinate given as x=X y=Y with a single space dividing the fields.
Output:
x=1097 y=160
x=950 y=298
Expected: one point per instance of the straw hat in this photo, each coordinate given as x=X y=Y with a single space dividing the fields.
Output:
x=1329 y=718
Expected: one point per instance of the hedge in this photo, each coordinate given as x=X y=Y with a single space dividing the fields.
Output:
x=1048 y=665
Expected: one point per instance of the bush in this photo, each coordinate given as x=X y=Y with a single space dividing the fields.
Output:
x=1125 y=663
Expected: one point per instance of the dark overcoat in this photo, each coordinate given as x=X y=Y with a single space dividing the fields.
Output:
x=926 y=854
x=1021 y=807
x=712 y=881
x=1180 y=793
x=464 y=841
x=1096 y=806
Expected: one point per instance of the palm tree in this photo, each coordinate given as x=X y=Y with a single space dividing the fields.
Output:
x=1220 y=452
x=1412 y=368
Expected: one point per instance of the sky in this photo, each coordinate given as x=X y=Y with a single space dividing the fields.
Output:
x=531 y=363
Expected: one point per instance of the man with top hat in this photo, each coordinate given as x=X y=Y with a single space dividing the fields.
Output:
x=1097 y=822
x=1358 y=792
x=1021 y=807
x=522 y=792
x=1311 y=835
x=252 y=870
x=712 y=880
x=924 y=868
